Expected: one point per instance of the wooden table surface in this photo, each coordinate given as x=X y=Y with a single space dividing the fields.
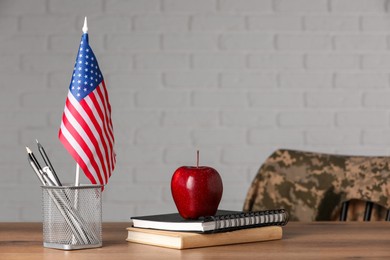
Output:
x=300 y=241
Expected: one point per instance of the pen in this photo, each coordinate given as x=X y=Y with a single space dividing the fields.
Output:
x=50 y=174
x=43 y=177
x=33 y=158
x=47 y=179
x=53 y=174
x=34 y=166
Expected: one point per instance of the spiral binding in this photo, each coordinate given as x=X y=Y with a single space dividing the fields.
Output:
x=277 y=217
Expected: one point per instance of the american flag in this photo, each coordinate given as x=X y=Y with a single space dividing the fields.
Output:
x=86 y=128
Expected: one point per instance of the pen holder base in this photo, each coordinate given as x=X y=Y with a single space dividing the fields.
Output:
x=72 y=217
x=70 y=247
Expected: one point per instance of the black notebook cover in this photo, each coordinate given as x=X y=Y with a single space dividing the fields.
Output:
x=222 y=221
x=176 y=218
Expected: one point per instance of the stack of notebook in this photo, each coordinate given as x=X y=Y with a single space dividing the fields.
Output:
x=226 y=227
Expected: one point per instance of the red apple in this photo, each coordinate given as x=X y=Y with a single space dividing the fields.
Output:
x=196 y=190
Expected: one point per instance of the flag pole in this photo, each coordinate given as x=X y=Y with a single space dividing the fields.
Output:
x=77 y=180
x=85 y=27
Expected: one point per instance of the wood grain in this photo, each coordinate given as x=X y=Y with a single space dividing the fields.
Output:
x=300 y=240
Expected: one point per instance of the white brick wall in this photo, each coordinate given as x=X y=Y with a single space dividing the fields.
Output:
x=235 y=79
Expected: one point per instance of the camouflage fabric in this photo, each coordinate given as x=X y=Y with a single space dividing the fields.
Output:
x=312 y=186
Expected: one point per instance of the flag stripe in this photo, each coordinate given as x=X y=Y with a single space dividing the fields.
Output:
x=76 y=155
x=96 y=123
x=101 y=104
x=89 y=161
x=104 y=139
x=92 y=124
x=92 y=101
x=74 y=150
x=102 y=93
x=108 y=105
x=77 y=122
x=106 y=120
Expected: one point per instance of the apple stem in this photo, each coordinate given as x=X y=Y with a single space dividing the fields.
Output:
x=197 y=159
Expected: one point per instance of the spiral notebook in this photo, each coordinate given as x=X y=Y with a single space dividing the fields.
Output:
x=224 y=220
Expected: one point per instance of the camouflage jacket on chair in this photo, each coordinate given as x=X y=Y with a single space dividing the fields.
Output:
x=312 y=186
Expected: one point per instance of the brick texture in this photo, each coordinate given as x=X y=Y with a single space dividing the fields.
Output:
x=234 y=79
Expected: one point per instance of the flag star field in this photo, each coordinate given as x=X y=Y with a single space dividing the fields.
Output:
x=86 y=74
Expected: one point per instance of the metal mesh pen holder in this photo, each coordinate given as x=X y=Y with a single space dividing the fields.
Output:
x=72 y=217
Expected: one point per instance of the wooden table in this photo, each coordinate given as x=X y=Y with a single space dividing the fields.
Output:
x=300 y=241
